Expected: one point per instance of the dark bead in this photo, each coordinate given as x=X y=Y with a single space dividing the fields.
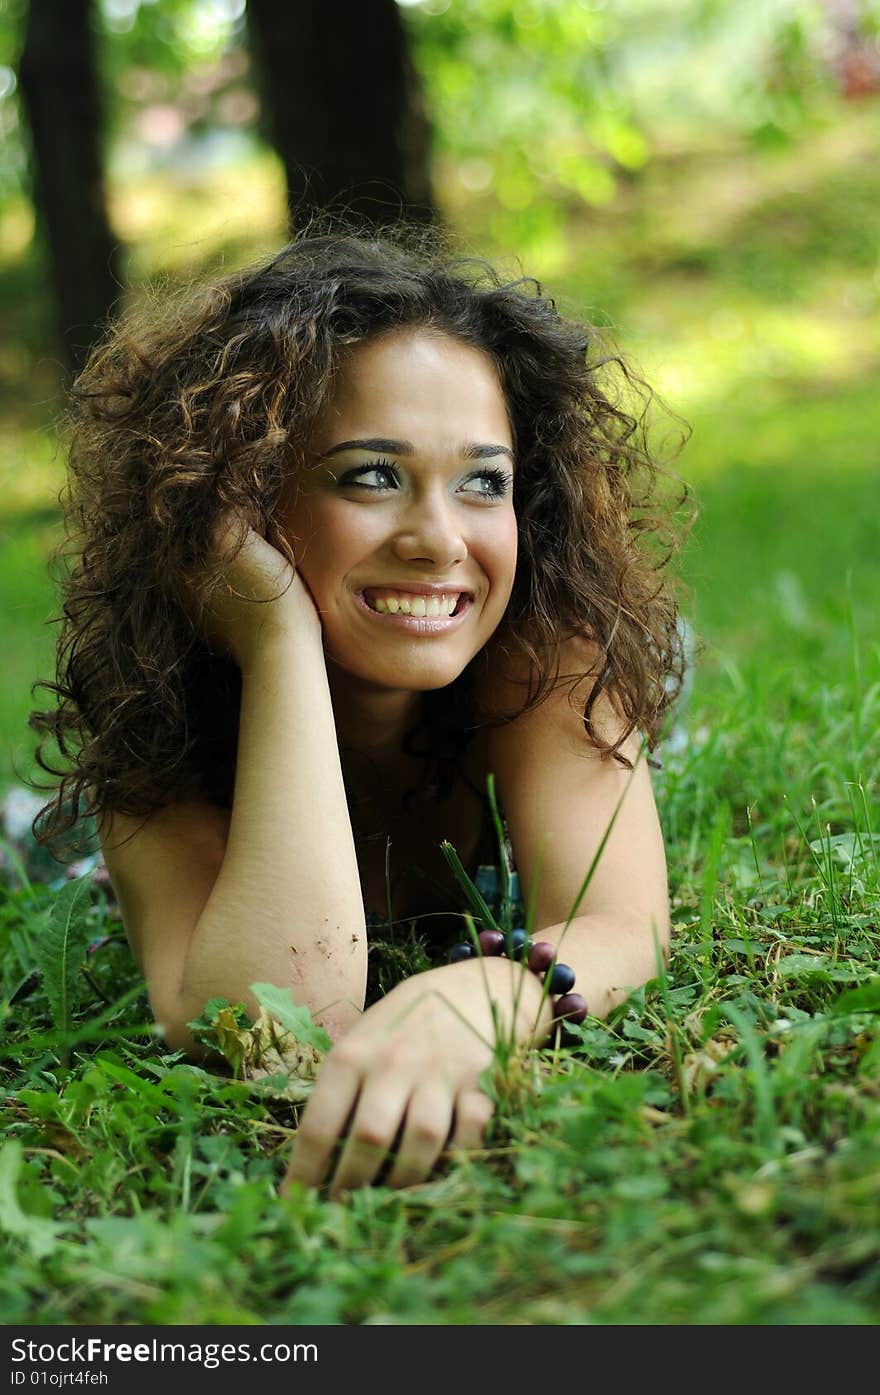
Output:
x=572 y=1007
x=459 y=952
x=491 y=941
x=561 y=979
x=541 y=956
x=518 y=944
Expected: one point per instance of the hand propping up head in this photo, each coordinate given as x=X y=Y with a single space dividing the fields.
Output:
x=258 y=597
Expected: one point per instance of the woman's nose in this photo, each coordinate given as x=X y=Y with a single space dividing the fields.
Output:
x=431 y=532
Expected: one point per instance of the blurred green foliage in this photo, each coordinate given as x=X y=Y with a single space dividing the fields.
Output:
x=552 y=102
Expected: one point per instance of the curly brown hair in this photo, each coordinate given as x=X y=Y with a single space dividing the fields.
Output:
x=200 y=401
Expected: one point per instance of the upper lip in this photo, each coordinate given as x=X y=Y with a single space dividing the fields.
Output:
x=419 y=588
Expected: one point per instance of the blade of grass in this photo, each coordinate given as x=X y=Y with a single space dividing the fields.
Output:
x=505 y=912
x=802 y=831
x=872 y=837
x=856 y=668
x=767 y=1127
x=720 y=830
x=826 y=867
x=672 y=1028
x=603 y=841
x=755 y=849
x=388 y=888
x=478 y=905
x=17 y=866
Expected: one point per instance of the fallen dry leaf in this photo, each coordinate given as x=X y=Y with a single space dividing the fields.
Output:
x=267 y=1049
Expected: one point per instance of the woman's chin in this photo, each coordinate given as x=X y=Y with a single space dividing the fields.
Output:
x=419 y=673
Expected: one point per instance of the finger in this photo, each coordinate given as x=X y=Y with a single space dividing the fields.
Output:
x=473 y=1110
x=428 y=1121
x=371 y=1135
x=323 y=1123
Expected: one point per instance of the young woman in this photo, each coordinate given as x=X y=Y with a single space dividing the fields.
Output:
x=353 y=529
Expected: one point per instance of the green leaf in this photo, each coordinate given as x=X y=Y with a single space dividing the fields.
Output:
x=864 y=999
x=61 y=950
x=279 y=1003
x=203 y=1025
x=152 y=1095
x=37 y=1233
x=803 y=965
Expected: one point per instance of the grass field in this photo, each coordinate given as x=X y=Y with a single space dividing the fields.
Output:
x=709 y=1155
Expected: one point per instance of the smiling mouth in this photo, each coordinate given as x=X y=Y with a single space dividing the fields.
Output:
x=388 y=601
x=425 y=614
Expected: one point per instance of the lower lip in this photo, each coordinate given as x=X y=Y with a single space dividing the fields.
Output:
x=418 y=624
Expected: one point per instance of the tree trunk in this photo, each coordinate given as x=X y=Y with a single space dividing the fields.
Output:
x=60 y=95
x=345 y=107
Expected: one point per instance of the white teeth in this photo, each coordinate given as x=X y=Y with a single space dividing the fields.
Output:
x=414 y=605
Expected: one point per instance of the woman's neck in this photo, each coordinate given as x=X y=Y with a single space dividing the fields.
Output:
x=372 y=722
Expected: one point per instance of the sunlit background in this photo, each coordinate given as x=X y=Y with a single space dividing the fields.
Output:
x=700 y=176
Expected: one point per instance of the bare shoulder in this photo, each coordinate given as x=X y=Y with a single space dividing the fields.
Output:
x=163 y=867
x=560 y=794
x=507 y=675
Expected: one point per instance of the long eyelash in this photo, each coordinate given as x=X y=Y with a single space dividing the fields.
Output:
x=499 y=480
x=351 y=478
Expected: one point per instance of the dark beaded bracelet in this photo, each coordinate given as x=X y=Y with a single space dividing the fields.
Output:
x=541 y=959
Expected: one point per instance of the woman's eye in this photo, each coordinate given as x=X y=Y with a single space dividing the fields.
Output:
x=497 y=481
x=381 y=467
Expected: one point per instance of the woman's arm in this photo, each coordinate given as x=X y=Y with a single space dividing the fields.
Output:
x=281 y=902
x=559 y=797
x=286 y=906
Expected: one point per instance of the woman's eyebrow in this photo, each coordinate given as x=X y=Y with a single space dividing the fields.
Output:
x=470 y=451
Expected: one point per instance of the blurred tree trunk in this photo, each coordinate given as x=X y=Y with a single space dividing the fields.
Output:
x=344 y=106
x=60 y=95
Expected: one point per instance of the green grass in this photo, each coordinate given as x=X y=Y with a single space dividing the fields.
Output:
x=709 y=1155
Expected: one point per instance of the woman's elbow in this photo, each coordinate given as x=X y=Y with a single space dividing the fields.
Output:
x=172 y=1022
x=173 y=1032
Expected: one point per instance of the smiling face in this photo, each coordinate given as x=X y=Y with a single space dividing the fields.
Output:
x=409 y=484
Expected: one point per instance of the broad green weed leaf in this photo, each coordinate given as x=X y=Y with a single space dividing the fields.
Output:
x=864 y=999
x=61 y=950
x=802 y=965
x=115 y=1070
x=37 y=1233
x=846 y=847
x=208 y=1015
x=279 y=1003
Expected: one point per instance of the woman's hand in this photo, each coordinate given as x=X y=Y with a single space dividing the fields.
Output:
x=409 y=1073
x=259 y=595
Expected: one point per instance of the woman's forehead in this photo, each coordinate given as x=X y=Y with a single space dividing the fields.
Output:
x=412 y=382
